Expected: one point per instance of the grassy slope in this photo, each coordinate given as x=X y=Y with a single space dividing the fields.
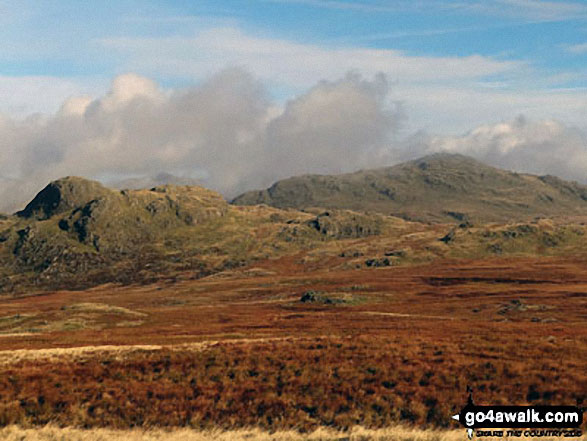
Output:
x=89 y=234
x=437 y=188
x=77 y=234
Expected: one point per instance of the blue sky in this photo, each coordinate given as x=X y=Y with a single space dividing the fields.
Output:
x=534 y=51
x=242 y=93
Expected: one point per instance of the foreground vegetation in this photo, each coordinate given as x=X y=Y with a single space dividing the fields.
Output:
x=290 y=346
x=14 y=433
x=300 y=384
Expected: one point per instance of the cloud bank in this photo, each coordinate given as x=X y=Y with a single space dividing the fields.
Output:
x=506 y=86
x=441 y=92
x=226 y=132
x=229 y=135
x=538 y=147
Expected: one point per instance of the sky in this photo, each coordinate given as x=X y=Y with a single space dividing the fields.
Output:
x=241 y=93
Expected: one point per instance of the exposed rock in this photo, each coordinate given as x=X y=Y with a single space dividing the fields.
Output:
x=395 y=253
x=324 y=298
x=344 y=224
x=63 y=195
x=377 y=263
x=449 y=237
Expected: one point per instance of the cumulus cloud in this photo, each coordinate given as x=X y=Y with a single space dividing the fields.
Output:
x=539 y=147
x=228 y=135
x=225 y=132
x=333 y=128
x=505 y=85
x=23 y=95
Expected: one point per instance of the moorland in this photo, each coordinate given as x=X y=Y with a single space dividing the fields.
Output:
x=172 y=308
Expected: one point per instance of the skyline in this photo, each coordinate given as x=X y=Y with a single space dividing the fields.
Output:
x=500 y=80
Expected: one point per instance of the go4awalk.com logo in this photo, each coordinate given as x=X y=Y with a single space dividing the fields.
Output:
x=517 y=421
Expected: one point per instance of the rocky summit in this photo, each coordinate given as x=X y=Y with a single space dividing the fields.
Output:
x=77 y=233
x=436 y=188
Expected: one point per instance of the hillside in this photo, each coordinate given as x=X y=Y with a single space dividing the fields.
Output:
x=239 y=317
x=77 y=233
x=436 y=188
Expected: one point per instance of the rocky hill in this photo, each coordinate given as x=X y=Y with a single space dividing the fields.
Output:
x=77 y=233
x=436 y=188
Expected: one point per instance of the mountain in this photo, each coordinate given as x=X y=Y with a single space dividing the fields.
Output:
x=77 y=233
x=437 y=188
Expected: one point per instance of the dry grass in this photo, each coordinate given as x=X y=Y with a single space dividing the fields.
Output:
x=83 y=353
x=276 y=384
x=77 y=354
x=516 y=335
x=15 y=433
x=89 y=307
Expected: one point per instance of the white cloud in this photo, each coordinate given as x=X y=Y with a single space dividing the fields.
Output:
x=24 y=95
x=293 y=64
x=225 y=131
x=335 y=127
x=75 y=105
x=451 y=109
x=447 y=94
x=540 y=147
x=126 y=88
x=578 y=48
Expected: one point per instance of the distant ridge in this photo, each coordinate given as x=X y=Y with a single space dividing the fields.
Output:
x=77 y=233
x=157 y=180
x=441 y=187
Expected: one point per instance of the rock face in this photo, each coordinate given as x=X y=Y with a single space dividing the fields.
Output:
x=77 y=233
x=436 y=188
x=76 y=226
x=342 y=225
x=63 y=195
x=105 y=219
